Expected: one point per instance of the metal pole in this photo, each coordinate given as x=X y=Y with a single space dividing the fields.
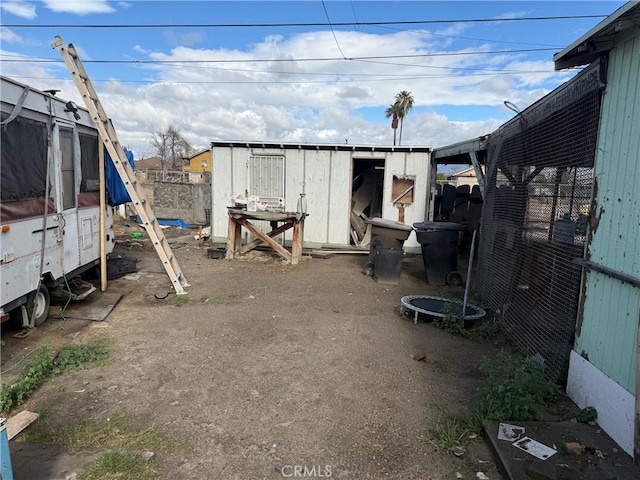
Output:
x=466 y=287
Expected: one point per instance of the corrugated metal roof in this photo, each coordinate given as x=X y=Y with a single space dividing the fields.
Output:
x=321 y=146
x=599 y=39
x=458 y=153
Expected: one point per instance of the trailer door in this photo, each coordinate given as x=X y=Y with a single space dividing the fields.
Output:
x=71 y=256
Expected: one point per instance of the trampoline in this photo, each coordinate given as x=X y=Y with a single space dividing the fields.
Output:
x=435 y=307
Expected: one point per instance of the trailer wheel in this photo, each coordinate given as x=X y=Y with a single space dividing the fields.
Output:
x=40 y=302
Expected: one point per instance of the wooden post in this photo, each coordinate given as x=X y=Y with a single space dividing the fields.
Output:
x=296 y=242
x=401 y=213
x=103 y=226
x=231 y=238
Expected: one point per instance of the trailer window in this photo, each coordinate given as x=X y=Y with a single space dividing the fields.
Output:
x=68 y=171
x=23 y=147
x=89 y=163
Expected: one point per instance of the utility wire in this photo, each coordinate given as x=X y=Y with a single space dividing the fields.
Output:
x=276 y=60
x=352 y=74
x=299 y=82
x=332 y=31
x=357 y=24
x=311 y=24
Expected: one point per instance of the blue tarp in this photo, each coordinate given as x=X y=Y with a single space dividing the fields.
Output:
x=116 y=193
x=174 y=222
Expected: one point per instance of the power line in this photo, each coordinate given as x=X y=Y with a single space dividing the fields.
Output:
x=297 y=82
x=311 y=24
x=332 y=31
x=280 y=60
x=328 y=74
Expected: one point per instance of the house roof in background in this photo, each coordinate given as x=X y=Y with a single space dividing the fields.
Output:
x=151 y=163
x=599 y=39
x=206 y=150
x=467 y=172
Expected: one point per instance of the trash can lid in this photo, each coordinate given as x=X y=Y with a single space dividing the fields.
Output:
x=383 y=222
x=438 y=226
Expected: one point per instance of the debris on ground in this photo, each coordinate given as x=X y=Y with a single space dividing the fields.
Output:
x=420 y=356
x=564 y=450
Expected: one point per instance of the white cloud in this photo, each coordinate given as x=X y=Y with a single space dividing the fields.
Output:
x=79 y=7
x=185 y=39
x=8 y=36
x=19 y=9
x=310 y=101
x=139 y=49
x=511 y=15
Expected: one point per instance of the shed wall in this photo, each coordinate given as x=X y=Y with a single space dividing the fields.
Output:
x=607 y=333
x=326 y=176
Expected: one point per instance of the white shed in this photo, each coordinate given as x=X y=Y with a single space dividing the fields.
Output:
x=338 y=180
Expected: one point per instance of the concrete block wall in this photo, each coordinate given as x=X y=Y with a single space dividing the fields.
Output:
x=186 y=201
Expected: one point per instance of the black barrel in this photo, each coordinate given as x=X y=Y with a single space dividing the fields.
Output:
x=439 y=242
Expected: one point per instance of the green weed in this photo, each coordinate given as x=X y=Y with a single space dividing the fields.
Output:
x=489 y=329
x=587 y=414
x=514 y=388
x=48 y=363
x=453 y=321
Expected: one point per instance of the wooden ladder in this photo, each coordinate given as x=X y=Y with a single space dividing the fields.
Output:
x=126 y=173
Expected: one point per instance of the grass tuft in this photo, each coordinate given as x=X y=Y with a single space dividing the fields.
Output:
x=120 y=466
x=178 y=300
x=448 y=433
x=120 y=432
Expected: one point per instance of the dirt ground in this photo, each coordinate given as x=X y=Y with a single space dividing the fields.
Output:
x=266 y=367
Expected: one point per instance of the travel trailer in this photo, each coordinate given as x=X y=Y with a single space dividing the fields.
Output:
x=50 y=202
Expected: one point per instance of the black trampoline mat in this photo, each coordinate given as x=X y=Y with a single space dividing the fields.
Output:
x=438 y=305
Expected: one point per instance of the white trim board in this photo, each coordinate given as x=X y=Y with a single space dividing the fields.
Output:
x=587 y=386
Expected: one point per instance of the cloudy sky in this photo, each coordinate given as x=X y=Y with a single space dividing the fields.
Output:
x=308 y=72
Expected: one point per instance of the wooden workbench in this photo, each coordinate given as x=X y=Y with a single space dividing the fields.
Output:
x=280 y=222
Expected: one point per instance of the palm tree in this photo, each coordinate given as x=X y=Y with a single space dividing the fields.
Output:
x=404 y=103
x=392 y=112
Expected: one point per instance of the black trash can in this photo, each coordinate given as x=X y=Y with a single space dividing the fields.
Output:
x=385 y=249
x=439 y=242
x=388 y=234
x=387 y=265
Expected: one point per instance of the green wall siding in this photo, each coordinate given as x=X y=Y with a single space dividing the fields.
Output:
x=608 y=334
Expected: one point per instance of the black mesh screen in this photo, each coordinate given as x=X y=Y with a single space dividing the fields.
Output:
x=23 y=146
x=539 y=182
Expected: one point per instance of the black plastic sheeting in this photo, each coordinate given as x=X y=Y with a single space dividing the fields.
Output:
x=23 y=143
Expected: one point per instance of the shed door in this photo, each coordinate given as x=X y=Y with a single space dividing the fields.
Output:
x=266 y=178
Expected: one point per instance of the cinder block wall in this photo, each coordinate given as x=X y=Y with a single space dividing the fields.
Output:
x=186 y=201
